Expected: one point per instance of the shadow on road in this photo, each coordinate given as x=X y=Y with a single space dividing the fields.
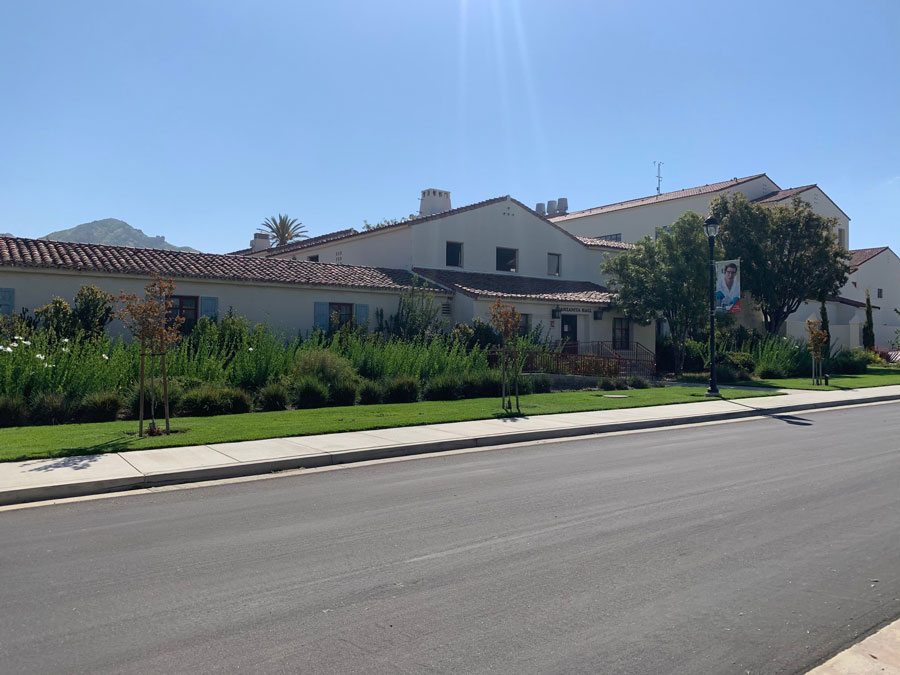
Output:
x=789 y=419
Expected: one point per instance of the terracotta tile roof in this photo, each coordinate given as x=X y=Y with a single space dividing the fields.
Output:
x=780 y=195
x=595 y=242
x=303 y=243
x=864 y=255
x=653 y=199
x=477 y=285
x=39 y=253
x=848 y=301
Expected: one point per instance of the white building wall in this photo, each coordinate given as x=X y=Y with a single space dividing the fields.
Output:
x=386 y=248
x=285 y=307
x=823 y=206
x=882 y=271
x=639 y=221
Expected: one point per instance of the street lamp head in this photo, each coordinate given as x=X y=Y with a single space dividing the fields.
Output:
x=711 y=225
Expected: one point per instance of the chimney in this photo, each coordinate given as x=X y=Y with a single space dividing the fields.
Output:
x=260 y=242
x=433 y=201
x=562 y=205
x=551 y=207
x=541 y=209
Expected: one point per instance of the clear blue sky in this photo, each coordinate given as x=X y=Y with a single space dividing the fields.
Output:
x=197 y=119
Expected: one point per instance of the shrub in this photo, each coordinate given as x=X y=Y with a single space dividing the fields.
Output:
x=13 y=411
x=696 y=355
x=787 y=356
x=541 y=384
x=201 y=401
x=638 y=382
x=175 y=392
x=273 y=396
x=446 y=387
x=325 y=366
x=371 y=392
x=483 y=384
x=607 y=384
x=308 y=392
x=235 y=401
x=343 y=393
x=770 y=372
x=739 y=361
x=49 y=408
x=100 y=406
x=849 y=362
x=620 y=383
x=401 y=390
x=725 y=373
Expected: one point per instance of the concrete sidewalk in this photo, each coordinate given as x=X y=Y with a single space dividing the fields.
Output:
x=47 y=479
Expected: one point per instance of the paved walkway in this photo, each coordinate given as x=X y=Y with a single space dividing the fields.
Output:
x=46 y=479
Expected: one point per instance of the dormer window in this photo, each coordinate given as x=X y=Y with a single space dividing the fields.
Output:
x=507 y=259
x=553 y=264
x=454 y=254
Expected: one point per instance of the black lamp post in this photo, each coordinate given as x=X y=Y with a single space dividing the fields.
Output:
x=711 y=226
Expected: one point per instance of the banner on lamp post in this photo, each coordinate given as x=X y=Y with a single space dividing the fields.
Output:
x=728 y=286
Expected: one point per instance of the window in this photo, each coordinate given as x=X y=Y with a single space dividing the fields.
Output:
x=553 y=264
x=661 y=229
x=340 y=313
x=7 y=301
x=507 y=259
x=842 y=237
x=454 y=254
x=880 y=293
x=621 y=334
x=338 y=256
x=313 y=258
x=186 y=306
x=525 y=324
x=612 y=237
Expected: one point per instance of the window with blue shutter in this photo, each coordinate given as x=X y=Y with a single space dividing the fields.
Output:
x=362 y=314
x=320 y=315
x=7 y=301
x=209 y=306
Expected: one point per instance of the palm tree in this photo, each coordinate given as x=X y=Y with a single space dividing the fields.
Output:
x=283 y=229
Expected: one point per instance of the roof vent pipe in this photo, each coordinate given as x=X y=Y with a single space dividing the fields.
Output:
x=562 y=205
x=541 y=210
x=551 y=207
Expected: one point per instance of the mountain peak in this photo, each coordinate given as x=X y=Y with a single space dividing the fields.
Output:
x=114 y=232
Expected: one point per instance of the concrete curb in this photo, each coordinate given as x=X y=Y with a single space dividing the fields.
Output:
x=308 y=460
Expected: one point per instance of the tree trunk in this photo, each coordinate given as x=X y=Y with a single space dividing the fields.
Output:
x=165 y=383
x=141 y=395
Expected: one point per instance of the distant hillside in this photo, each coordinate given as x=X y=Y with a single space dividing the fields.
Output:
x=116 y=233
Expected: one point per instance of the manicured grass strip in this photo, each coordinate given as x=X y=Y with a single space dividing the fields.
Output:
x=21 y=443
x=877 y=376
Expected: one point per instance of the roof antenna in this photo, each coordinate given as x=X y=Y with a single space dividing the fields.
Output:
x=658 y=166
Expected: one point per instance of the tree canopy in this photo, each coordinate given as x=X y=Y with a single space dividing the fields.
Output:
x=789 y=254
x=283 y=229
x=667 y=277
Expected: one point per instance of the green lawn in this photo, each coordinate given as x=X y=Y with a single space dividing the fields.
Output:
x=21 y=443
x=877 y=376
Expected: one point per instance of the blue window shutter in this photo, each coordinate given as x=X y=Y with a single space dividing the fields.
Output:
x=209 y=306
x=362 y=314
x=320 y=315
x=7 y=301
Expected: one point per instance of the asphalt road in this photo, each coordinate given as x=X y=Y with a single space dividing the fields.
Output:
x=750 y=547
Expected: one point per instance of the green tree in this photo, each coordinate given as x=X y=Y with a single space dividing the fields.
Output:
x=667 y=277
x=825 y=327
x=283 y=229
x=868 y=336
x=789 y=254
x=895 y=343
x=56 y=318
x=92 y=311
x=416 y=317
